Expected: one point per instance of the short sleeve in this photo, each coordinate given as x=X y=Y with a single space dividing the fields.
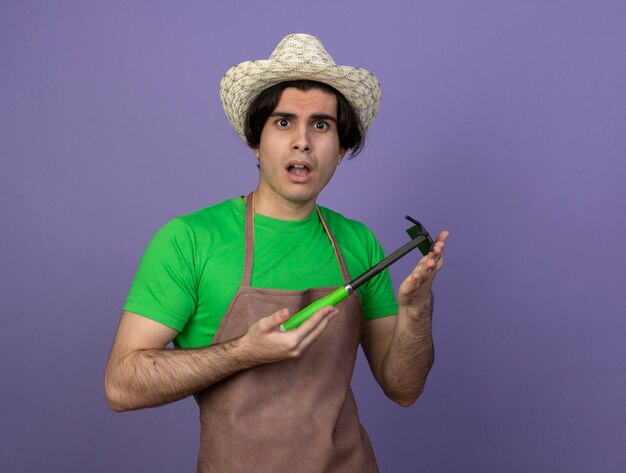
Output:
x=378 y=295
x=164 y=287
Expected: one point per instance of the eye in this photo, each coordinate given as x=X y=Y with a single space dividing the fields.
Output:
x=321 y=125
x=282 y=122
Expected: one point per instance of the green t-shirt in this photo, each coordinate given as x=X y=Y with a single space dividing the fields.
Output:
x=193 y=266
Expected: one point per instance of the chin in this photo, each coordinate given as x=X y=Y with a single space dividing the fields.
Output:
x=302 y=197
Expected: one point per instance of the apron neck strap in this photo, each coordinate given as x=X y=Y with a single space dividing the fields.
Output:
x=249 y=240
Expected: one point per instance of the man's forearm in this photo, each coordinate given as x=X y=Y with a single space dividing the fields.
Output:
x=411 y=353
x=148 y=378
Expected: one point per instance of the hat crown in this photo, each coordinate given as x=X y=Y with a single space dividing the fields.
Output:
x=301 y=48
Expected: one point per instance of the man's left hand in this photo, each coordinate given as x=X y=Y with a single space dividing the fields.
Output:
x=418 y=284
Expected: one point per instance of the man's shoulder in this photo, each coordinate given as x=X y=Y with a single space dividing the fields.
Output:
x=204 y=222
x=226 y=209
x=208 y=217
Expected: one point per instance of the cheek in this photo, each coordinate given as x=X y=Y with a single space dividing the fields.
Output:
x=330 y=168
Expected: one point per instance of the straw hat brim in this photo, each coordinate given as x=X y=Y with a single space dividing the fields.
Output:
x=243 y=83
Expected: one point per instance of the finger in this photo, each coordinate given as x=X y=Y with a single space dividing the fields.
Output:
x=310 y=324
x=412 y=281
x=423 y=261
x=436 y=251
x=319 y=328
x=443 y=236
x=422 y=271
x=438 y=246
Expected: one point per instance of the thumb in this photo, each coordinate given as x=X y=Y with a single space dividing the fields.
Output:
x=412 y=281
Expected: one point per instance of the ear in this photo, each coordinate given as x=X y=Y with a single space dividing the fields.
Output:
x=342 y=153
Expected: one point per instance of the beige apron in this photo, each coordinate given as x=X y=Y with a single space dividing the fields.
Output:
x=294 y=416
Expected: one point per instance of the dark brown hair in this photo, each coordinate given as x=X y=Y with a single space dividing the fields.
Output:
x=349 y=129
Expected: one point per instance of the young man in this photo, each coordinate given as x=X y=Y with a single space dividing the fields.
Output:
x=219 y=283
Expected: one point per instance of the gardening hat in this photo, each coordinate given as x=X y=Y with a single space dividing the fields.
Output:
x=297 y=57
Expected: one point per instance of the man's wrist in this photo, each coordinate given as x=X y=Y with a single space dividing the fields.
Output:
x=421 y=306
x=238 y=352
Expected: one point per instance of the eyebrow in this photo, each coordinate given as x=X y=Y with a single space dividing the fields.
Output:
x=315 y=116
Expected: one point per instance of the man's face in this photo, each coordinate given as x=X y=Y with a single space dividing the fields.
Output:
x=299 y=148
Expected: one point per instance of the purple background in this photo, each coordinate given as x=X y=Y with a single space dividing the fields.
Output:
x=502 y=121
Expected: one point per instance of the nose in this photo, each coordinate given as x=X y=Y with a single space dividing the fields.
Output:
x=301 y=140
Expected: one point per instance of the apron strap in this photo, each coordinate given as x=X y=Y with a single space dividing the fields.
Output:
x=249 y=243
x=342 y=264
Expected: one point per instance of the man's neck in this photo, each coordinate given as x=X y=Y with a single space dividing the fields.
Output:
x=270 y=205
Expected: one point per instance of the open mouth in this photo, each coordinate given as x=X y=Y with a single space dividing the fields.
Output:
x=298 y=169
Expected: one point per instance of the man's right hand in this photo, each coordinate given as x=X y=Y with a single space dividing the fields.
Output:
x=267 y=344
